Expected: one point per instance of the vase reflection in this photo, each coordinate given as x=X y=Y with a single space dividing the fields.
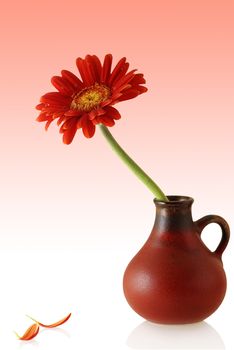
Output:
x=191 y=336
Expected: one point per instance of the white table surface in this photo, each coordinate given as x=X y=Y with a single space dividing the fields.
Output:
x=87 y=281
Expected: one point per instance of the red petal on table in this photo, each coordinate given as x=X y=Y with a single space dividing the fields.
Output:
x=30 y=333
x=56 y=324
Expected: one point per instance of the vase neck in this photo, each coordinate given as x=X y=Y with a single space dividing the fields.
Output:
x=174 y=215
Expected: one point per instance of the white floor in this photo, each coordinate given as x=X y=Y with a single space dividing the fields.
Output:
x=48 y=284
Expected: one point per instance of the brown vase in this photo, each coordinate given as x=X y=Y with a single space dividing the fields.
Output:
x=175 y=278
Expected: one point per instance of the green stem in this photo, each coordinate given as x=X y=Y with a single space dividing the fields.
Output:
x=152 y=186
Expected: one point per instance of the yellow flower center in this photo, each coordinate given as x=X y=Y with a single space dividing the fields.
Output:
x=90 y=98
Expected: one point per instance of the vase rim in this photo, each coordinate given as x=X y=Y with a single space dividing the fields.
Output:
x=175 y=200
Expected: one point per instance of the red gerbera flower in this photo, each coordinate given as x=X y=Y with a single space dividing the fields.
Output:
x=81 y=104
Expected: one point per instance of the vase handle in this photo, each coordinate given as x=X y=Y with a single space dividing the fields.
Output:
x=209 y=219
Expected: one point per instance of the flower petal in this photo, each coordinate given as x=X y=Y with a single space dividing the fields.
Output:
x=69 y=134
x=106 y=68
x=42 y=117
x=55 y=98
x=124 y=80
x=88 y=127
x=73 y=113
x=142 y=89
x=120 y=90
x=95 y=67
x=84 y=70
x=138 y=79
x=69 y=122
x=60 y=120
x=73 y=80
x=116 y=70
x=54 y=108
x=96 y=112
x=112 y=112
x=40 y=106
x=121 y=73
x=30 y=333
x=131 y=93
x=106 y=102
x=106 y=120
x=63 y=86
x=48 y=123
x=57 y=115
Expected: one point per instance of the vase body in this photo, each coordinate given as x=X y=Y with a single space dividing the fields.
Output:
x=175 y=278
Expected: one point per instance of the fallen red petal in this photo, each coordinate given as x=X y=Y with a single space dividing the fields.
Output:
x=30 y=333
x=56 y=324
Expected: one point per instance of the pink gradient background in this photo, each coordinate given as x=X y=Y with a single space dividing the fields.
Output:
x=180 y=132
